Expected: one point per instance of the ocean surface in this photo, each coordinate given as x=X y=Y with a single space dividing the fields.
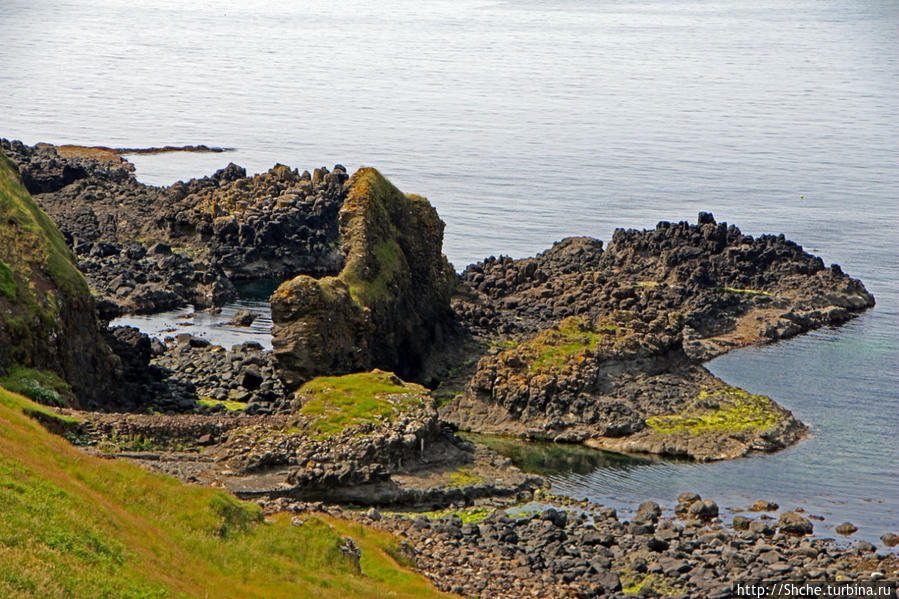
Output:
x=527 y=121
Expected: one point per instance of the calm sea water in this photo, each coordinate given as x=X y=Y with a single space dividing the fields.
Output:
x=528 y=121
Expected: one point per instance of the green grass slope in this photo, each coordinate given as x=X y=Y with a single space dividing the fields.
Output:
x=73 y=525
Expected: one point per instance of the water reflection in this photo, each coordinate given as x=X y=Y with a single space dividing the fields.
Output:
x=547 y=458
x=214 y=325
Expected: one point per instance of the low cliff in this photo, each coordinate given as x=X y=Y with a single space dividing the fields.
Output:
x=389 y=306
x=50 y=337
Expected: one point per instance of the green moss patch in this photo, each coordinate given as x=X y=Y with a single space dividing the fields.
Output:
x=7 y=281
x=468 y=514
x=231 y=406
x=632 y=582
x=555 y=346
x=736 y=410
x=742 y=291
x=336 y=403
x=465 y=477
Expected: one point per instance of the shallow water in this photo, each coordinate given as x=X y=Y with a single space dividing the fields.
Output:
x=528 y=121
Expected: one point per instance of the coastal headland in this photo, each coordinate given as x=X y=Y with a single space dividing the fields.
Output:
x=383 y=353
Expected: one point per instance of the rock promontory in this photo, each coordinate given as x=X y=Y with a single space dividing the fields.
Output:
x=605 y=347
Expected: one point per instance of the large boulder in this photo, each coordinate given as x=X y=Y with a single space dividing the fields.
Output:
x=48 y=321
x=390 y=304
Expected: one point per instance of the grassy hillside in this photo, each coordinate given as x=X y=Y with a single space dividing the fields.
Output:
x=72 y=525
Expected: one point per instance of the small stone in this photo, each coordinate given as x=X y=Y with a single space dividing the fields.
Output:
x=688 y=498
x=763 y=506
x=793 y=523
x=703 y=510
x=846 y=528
x=890 y=539
x=742 y=522
x=864 y=547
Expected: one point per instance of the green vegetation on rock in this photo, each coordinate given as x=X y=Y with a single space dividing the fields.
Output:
x=465 y=477
x=742 y=291
x=387 y=304
x=466 y=514
x=727 y=409
x=555 y=346
x=336 y=403
x=632 y=582
x=47 y=317
x=76 y=526
x=41 y=386
x=231 y=406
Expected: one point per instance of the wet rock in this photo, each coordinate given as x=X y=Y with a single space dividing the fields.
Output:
x=243 y=318
x=764 y=506
x=703 y=510
x=793 y=523
x=890 y=539
x=846 y=528
x=649 y=511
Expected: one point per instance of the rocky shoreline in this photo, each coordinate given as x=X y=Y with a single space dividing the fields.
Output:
x=586 y=550
x=382 y=353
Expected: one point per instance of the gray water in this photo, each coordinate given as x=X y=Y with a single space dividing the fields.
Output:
x=528 y=121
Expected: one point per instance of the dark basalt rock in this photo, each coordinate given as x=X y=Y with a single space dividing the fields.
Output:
x=146 y=249
x=599 y=340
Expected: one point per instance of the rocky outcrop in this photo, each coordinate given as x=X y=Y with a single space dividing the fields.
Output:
x=48 y=321
x=390 y=305
x=628 y=327
x=145 y=249
x=365 y=438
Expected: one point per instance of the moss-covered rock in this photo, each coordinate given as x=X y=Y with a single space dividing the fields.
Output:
x=389 y=305
x=48 y=322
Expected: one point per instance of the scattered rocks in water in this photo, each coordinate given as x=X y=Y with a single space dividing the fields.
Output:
x=242 y=318
x=764 y=506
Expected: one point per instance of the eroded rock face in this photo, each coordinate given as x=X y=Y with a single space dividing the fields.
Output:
x=48 y=320
x=389 y=306
x=145 y=248
x=628 y=327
